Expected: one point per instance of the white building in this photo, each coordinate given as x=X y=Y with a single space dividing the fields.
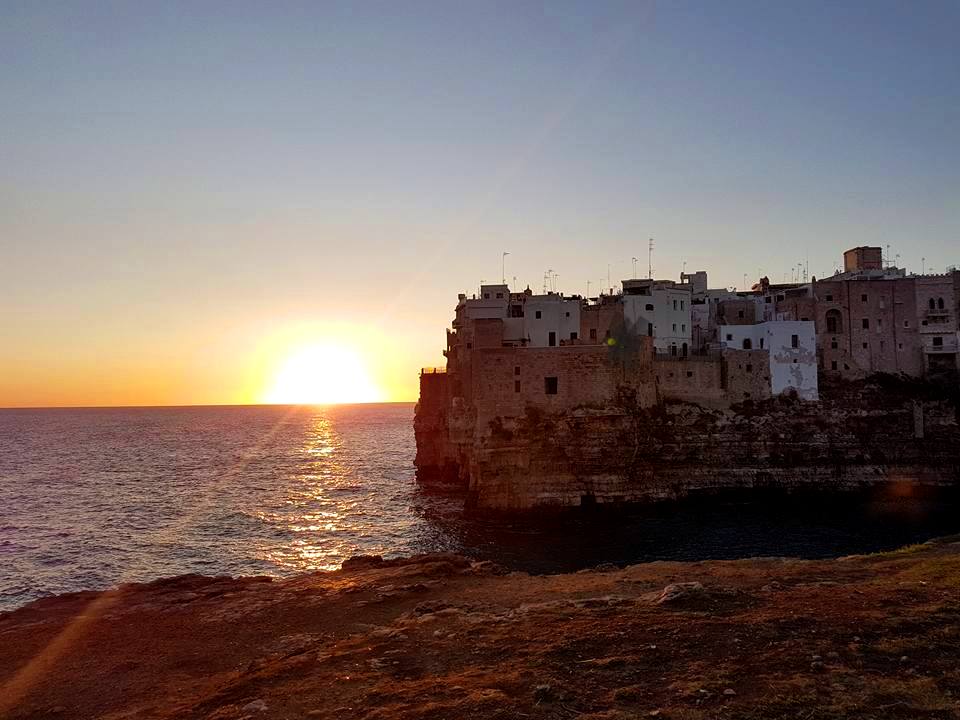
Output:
x=551 y=320
x=792 y=348
x=530 y=320
x=659 y=309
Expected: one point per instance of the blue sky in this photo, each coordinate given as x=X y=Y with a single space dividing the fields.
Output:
x=176 y=171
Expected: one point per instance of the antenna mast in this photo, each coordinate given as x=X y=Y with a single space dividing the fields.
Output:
x=650 y=259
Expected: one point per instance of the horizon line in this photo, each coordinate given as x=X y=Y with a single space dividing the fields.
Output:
x=201 y=405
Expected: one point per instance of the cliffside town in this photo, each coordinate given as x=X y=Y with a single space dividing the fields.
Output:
x=666 y=388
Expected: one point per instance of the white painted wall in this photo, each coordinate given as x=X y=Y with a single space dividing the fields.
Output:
x=557 y=314
x=790 y=367
x=671 y=316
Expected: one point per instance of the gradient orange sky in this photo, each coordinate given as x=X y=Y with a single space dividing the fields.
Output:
x=190 y=194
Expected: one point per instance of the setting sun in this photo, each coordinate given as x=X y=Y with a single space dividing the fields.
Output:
x=322 y=374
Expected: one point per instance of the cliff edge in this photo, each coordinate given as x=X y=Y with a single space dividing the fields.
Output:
x=439 y=636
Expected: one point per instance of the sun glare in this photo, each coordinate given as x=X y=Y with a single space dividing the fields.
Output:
x=322 y=374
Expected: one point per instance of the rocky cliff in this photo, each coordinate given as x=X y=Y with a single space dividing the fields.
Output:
x=439 y=637
x=859 y=434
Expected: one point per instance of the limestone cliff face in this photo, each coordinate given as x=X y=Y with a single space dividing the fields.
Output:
x=681 y=449
x=858 y=435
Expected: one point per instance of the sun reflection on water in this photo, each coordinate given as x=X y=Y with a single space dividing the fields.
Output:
x=318 y=518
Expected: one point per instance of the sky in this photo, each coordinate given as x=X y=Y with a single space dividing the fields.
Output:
x=191 y=194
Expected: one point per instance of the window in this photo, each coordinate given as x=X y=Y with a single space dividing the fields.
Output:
x=649 y=329
x=486 y=296
x=516 y=370
x=795 y=341
x=863 y=298
x=573 y=336
x=593 y=333
x=649 y=307
x=906 y=323
x=833 y=345
x=469 y=345
x=552 y=339
x=683 y=328
x=689 y=373
x=881 y=345
x=673 y=351
x=879 y=324
x=761 y=343
x=538 y=315
x=900 y=346
x=550 y=385
x=864 y=346
x=866 y=323
x=938 y=341
x=674 y=327
x=684 y=349
x=607 y=334
x=499 y=296
x=829 y=298
x=740 y=313
x=833 y=364
x=749 y=367
x=747 y=344
x=834 y=321
x=932 y=304
x=883 y=304
x=568 y=314
x=767 y=299
x=516 y=386
x=681 y=304
x=674 y=304
x=940 y=303
x=729 y=337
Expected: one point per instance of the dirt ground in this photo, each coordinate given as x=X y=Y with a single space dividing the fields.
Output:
x=440 y=637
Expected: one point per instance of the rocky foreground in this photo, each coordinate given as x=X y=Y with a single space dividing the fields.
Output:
x=440 y=637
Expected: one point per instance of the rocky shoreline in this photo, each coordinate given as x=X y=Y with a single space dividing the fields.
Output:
x=439 y=636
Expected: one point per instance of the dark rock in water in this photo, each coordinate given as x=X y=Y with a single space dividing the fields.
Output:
x=361 y=562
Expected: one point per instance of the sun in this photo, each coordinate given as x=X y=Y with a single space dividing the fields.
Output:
x=322 y=374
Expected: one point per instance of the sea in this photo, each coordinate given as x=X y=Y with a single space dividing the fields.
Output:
x=91 y=498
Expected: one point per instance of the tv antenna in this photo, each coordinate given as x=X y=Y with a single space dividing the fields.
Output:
x=634 y=267
x=503 y=268
x=650 y=259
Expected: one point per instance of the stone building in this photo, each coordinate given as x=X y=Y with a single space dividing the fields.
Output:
x=788 y=349
x=937 y=314
x=660 y=309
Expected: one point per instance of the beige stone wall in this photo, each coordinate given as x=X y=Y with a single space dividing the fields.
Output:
x=736 y=312
x=506 y=381
x=889 y=343
x=695 y=379
x=598 y=322
x=797 y=308
x=747 y=375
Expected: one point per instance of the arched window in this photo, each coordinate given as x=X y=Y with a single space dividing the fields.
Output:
x=932 y=305
x=684 y=349
x=747 y=344
x=834 y=321
x=940 y=303
x=649 y=306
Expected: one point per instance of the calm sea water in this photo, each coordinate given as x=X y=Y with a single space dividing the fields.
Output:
x=93 y=497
